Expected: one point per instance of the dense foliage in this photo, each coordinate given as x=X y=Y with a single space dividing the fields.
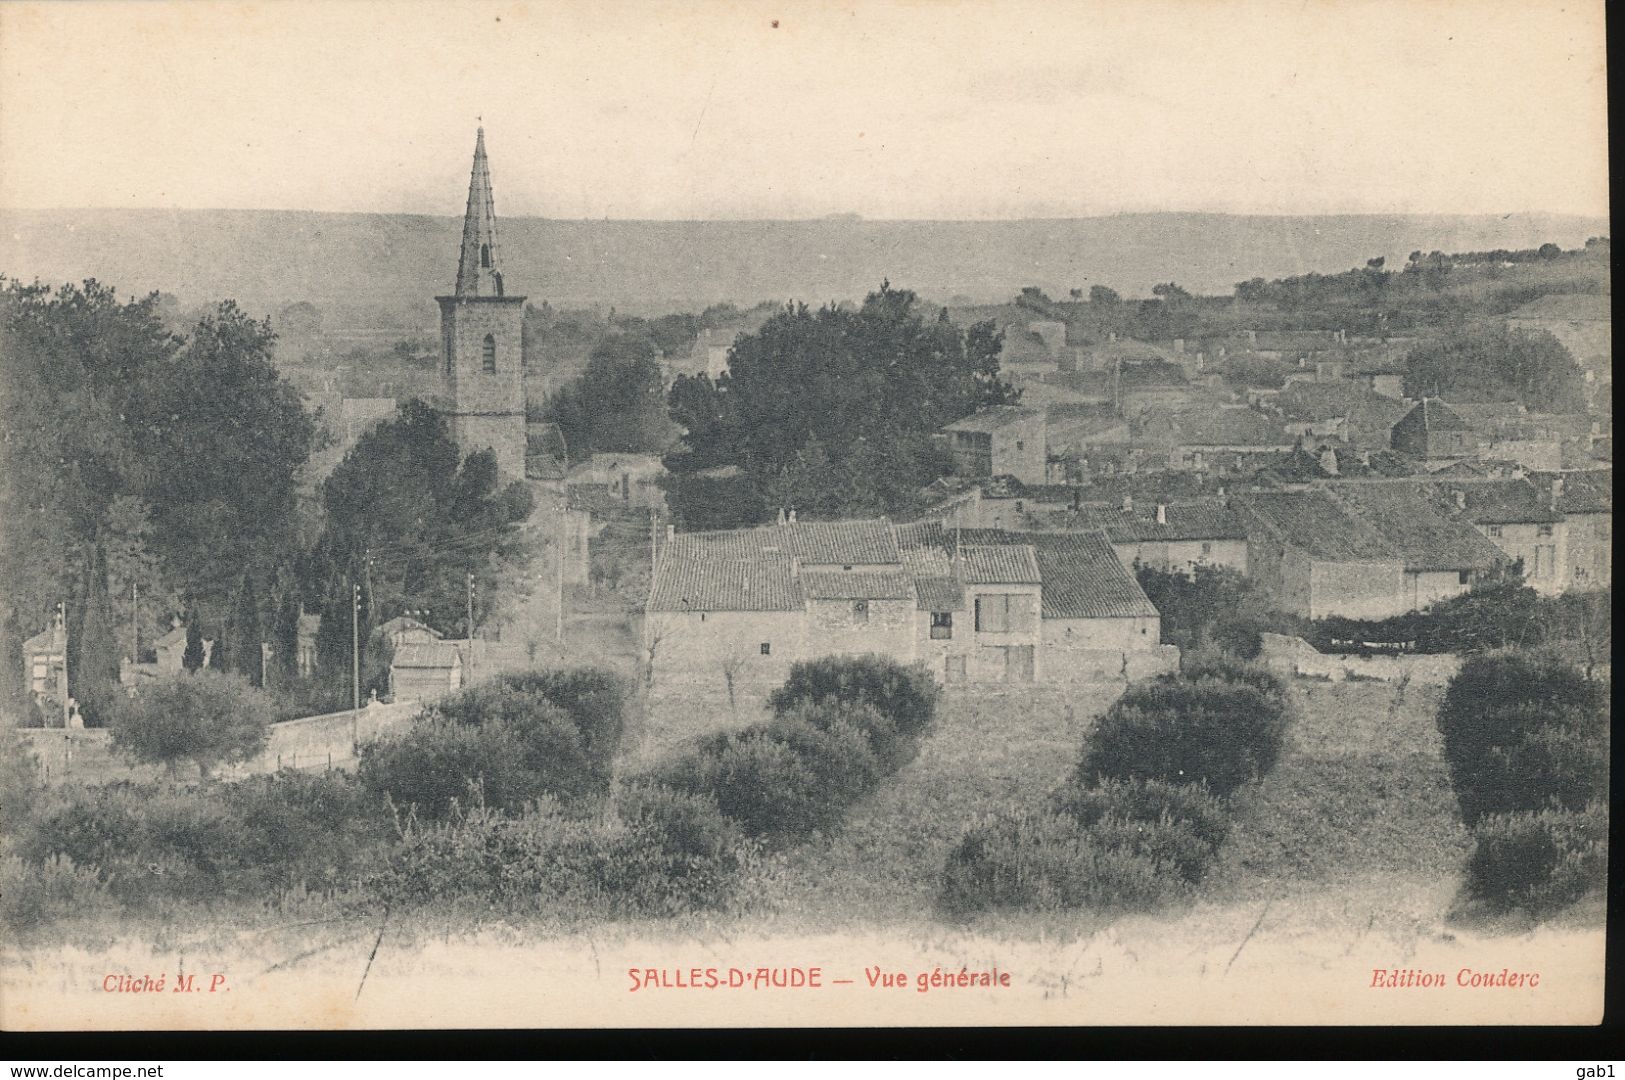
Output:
x=1144 y=813
x=503 y=744
x=617 y=404
x=1526 y=740
x=174 y=456
x=1492 y=363
x=1215 y=606
x=903 y=699
x=1210 y=726
x=831 y=412
x=1523 y=730
x=206 y=718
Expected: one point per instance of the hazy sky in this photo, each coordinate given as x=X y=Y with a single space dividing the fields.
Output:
x=798 y=109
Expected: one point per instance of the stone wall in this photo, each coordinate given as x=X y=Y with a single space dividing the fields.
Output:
x=1294 y=656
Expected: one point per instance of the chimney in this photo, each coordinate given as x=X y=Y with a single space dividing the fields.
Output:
x=1328 y=461
x=1179 y=345
x=1461 y=500
x=781 y=515
x=671 y=531
x=1128 y=504
x=792 y=520
x=1113 y=336
x=1162 y=513
x=1557 y=491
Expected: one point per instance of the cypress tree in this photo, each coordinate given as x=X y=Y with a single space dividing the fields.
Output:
x=192 y=658
x=93 y=665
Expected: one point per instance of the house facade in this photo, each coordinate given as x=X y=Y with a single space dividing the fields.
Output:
x=1006 y=440
x=1314 y=559
x=973 y=605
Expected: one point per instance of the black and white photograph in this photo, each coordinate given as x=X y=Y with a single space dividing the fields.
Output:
x=883 y=513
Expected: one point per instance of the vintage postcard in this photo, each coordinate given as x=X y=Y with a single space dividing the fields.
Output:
x=537 y=513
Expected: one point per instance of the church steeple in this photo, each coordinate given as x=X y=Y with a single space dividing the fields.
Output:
x=477 y=268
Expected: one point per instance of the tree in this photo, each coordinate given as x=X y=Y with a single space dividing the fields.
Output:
x=1491 y=363
x=834 y=409
x=1102 y=297
x=208 y=718
x=616 y=404
x=192 y=658
x=93 y=656
x=411 y=518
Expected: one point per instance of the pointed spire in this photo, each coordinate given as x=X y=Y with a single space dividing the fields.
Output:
x=477 y=268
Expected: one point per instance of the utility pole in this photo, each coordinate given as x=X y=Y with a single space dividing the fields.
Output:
x=135 y=633
x=62 y=617
x=355 y=667
x=471 y=627
x=654 y=542
x=558 y=632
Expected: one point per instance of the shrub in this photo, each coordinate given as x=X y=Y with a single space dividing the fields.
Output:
x=905 y=696
x=784 y=779
x=1179 y=825
x=439 y=763
x=35 y=895
x=1204 y=730
x=1046 y=862
x=1538 y=861
x=258 y=840
x=19 y=781
x=208 y=718
x=1521 y=729
x=667 y=853
x=518 y=738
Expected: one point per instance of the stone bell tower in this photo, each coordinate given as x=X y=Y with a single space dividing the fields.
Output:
x=482 y=332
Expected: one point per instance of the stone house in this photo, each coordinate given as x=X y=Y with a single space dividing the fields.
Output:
x=425 y=670
x=1586 y=501
x=1175 y=535
x=972 y=604
x=1313 y=558
x=1518 y=518
x=1432 y=432
x=45 y=658
x=1006 y=440
x=1442 y=557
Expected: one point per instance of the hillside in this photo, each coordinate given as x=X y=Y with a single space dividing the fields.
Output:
x=383 y=270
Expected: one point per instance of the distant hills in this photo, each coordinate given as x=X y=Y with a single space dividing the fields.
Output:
x=385 y=269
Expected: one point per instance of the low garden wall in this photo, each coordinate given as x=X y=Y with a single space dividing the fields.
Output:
x=1295 y=656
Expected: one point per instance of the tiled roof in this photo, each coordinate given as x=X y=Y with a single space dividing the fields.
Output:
x=939 y=594
x=692 y=576
x=1084 y=579
x=428 y=654
x=1418 y=533
x=1430 y=415
x=993 y=419
x=1316 y=524
x=1494 y=502
x=840 y=543
x=862 y=585
x=1572 y=307
x=1325 y=400
x=999 y=564
x=1082 y=576
x=1195 y=519
x=1589 y=491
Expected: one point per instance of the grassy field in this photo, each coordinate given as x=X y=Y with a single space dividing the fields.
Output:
x=1357 y=824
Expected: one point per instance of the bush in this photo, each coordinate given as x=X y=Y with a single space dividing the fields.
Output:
x=1541 y=861
x=1046 y=862
x=35 y=895
x=1183 y=730
x=906 y=697
x=207 y=718
x=667 y=853
x=1522 y=729
x=784 y=779
x=257 y=841
x=1178 y=825
x=516 y=738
